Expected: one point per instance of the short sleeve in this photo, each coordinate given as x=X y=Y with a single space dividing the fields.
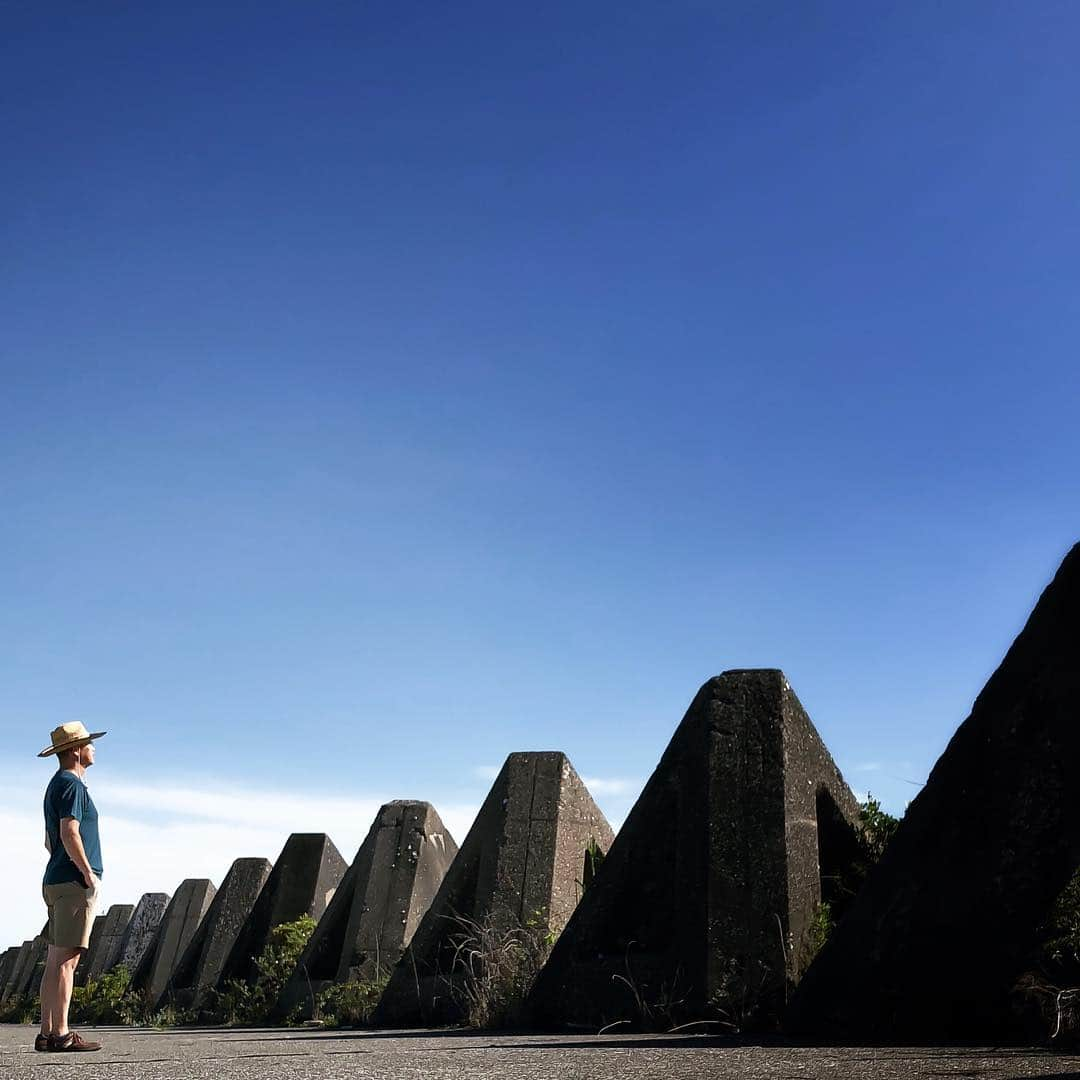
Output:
x=70 y=800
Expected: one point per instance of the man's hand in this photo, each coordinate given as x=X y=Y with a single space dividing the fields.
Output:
x=73 y=845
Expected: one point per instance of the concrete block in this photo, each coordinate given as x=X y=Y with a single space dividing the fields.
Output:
x=709 y=889
x=7 y=967
x=946 y=922
x=28 y=976
x=303 y=881
x=141 y=929
x=379 y=903
x=521 y=864
x=82 y=972
x=177 y=927
x=200 y=967
x=107 y=940
x=18 y=969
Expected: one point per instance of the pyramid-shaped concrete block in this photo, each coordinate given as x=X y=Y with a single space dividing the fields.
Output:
x=141 y=930
x=106 y=941
x=522 y=864
x=7 y=967
x=380 y=902
x=303 y=881
x=18 y=969
x=178 y=925
x=715 y=876
x=200 y=967
x=946 y=922
x=27 y=977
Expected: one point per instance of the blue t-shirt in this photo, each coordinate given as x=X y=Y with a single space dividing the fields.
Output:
x=67 y=796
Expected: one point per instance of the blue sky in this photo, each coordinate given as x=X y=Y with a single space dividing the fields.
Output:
x=387 y=388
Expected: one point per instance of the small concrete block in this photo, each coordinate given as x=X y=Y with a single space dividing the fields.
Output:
x=82 y=972
x=28 y=978
x=18 y=969
x=177 y=927
x=521 y=865
x=714 y=878
x=379 y=903
x=947 y=921
x=110 y=928
x=7 y=966
x=303 y=881
x=141 y=929
x=200 y=967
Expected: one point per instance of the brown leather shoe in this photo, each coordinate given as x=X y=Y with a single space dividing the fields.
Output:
x=41 y=1043
x=72 y=1042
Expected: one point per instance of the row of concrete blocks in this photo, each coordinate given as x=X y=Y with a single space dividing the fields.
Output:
x=709 y=892
x=409 y=897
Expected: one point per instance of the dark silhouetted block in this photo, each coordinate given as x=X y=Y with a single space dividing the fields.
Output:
x=18 y=969
x=305 y=876
x=708 y=892
x=381 y=900
x=522 y=863
x=7 y=967
x=937 y=937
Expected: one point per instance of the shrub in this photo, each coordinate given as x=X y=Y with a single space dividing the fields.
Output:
x=494 y=965
x=244 y=1003
x=350 y=1004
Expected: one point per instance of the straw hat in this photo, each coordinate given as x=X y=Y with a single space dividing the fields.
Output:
x=68 y=736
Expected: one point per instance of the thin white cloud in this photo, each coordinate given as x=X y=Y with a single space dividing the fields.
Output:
x=610 y=786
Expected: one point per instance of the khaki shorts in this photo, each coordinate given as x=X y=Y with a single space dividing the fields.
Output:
x=71 y=914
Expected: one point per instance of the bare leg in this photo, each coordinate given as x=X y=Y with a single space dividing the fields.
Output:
x=56 y=986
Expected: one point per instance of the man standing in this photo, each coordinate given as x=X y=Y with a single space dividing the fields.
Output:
x=72 y=881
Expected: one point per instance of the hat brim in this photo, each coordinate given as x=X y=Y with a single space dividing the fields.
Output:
x=81 y=741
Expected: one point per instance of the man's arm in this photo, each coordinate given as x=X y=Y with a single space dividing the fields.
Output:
x=48 y=843
x=71 y=838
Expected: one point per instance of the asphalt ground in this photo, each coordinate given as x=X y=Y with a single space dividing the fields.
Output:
x=238 y=1054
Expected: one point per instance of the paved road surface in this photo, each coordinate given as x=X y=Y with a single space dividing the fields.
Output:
x=141 y=1054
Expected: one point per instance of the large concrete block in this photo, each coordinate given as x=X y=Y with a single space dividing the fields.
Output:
x=943 y=927
x=523 y=863
x=106 y=941
x=177 y=927
x=18 y=969
x=305 y=876
x=141 y=929
x=200 y=967
x=379 y=903
x=709 y=889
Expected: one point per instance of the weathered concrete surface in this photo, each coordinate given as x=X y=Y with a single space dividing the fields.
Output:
x=523 y=862
x=305 y=876
x=379 y=903
x=200 y=967
x=707 y=892
x=141 y=929
x=177 y=927
x=106 y=942
x=937 y=937
x=296 y=1054
x=7 y=967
